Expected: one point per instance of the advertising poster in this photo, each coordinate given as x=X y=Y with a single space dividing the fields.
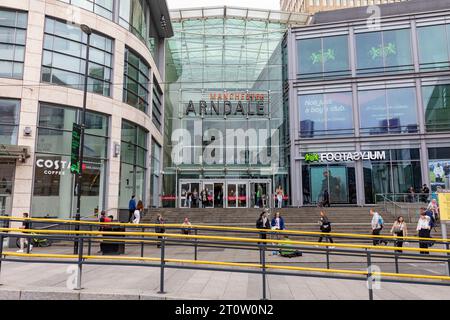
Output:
x=444 y=205
x=439 y=171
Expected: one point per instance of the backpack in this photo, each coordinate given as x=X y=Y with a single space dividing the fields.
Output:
x=380 y=221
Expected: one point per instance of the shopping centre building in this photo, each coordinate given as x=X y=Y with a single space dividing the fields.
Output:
x=226 y=108
x=370 y=103
x=43 y=55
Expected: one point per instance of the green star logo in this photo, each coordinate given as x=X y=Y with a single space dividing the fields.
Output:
x=312 y=157
x=383 y=51
x=323 y=56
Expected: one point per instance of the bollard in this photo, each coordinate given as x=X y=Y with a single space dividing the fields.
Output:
x=80 y=262
x=448 y=254
x=195 y=246
x=161 y=283
x=29 y=240
x=264 y=275
x=369 y=275
x=396 y=262
x=142 y=244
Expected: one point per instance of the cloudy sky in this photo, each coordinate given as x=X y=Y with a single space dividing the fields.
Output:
x=263 y=4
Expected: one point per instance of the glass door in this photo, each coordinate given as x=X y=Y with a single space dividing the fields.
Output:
x=218 y=195
x=242 y=195
x=232 y=195
x=189 y=194
x=237 y=194
x=209 y=189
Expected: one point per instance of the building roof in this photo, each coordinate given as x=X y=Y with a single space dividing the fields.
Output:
x=289 y=18
x=160 y=14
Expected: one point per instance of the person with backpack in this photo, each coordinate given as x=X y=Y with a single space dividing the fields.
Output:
x=325 y=227
x=399 y=230
x=377 y=225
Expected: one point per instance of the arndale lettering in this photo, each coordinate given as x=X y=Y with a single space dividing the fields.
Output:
x=225 y=108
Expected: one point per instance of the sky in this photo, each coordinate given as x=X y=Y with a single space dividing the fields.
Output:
x=263 y=4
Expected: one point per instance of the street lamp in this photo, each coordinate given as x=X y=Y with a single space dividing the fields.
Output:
x=79 y=176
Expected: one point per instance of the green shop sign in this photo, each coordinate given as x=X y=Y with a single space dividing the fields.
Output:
x=383 y=51
x=323 y=56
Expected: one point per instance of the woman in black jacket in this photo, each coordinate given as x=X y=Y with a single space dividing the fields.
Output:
x=263 y=223
x=160 y=220
x=325 y=226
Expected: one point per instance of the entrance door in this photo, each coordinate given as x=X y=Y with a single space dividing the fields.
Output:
x=189 y=195
x=237 y=195
x=218 y=195
x=260 y=194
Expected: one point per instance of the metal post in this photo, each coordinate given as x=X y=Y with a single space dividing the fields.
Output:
x=1 y=255
x=195 y=246
x=142 y=244
x=161 y=283
x=90 y=241
x=444 y=236
x=29 y=240
x=79 y=176
x=369 y=275
x=80 y=262
x=264 y=275
x=396 y=263
x=328 y=258
x=448 y=261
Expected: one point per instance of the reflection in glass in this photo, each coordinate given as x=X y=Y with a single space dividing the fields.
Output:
x=436 y=100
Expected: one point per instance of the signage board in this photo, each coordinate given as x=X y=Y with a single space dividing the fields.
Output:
x=75 y=167
x=344 y=156
x=444 y=205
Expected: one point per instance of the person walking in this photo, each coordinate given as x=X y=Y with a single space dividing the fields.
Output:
x=326 y=199
x=138 y=212
x=131 y=208
x=186 y=226
x=263 y=223
x=24 y=241
x=399 y=230
x=325 y=227
x=204 y=198
x=377 y=224
x=160 y=229
x=411 y=194
x=423 y=229
x=280 y=195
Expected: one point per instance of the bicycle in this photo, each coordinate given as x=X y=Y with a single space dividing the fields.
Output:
x=36 y=242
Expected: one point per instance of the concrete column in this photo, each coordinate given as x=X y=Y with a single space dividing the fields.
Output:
x=23 y=180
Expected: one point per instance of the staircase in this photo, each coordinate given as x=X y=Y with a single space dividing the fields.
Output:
x=343 y=219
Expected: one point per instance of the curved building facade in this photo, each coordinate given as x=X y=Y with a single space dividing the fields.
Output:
x=226 y=126
x=43 y=55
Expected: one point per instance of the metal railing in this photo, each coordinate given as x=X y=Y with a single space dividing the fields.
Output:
x=85 y=238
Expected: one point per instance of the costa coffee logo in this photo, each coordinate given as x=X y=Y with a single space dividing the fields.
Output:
x=54 y=167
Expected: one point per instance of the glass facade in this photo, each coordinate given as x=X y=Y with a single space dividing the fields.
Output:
x=326 y=114
x=64 y=58
x=157 y=106
x=136 y=81
x=388 y=111
x=53 y=193
x=9 y=121
x=327 y=56
x=436 y=102
x=103 y=8
x=133 y=15
x=384 y=51
x=434 y=50
x=225 y=116
x=155 y=173
x=395 y=175
x=133 y=163
x=13 y=29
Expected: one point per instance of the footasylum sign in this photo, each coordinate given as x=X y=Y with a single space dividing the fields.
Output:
x=345 y=156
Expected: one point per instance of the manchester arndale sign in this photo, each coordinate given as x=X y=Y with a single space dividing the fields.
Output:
x=229 y=103
x=345 y=156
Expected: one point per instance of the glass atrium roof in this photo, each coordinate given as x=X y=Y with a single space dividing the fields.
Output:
x=288 y=18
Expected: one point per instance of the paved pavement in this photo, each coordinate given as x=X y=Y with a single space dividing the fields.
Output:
x=49 y=281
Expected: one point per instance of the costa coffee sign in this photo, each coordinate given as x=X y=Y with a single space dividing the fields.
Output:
x=54 y=167
x=229 y=103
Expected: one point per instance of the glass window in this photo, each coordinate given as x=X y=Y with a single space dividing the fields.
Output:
x=12 y=43
x=133 y=16
x=434 y=46
x=326 y=114
x=53 y=193
x=136 y=84
x=9 y=121
x=103 y=8
x=157 y=106
x=132 y=163
x=436 y=101
x=64 y=58
x=384 y=51
x=328 y=55
x=388 y=111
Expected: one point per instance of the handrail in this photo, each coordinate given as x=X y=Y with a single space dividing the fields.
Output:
x=234 y=264
x=221 y=238
x=224 y=228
